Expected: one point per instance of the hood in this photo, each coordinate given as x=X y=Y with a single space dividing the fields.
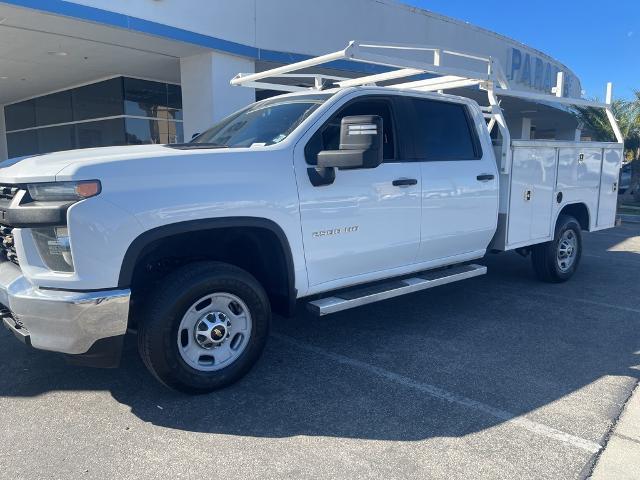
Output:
x=44 y=168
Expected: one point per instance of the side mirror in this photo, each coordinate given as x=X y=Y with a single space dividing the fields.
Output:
x=361 y=144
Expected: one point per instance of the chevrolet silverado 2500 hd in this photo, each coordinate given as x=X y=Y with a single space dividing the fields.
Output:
x=346 y=196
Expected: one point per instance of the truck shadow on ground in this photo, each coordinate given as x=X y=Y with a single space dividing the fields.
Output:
x=504 y=340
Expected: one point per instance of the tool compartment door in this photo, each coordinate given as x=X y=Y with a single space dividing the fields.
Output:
x=533 y=179
x=579 y=170
x=607 y=204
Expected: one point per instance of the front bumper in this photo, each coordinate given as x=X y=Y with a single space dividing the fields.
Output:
x=61 y=321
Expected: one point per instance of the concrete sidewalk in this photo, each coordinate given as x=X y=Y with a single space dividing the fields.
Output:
x=620 y=459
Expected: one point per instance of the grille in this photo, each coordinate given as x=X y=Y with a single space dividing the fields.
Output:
x=7 y=245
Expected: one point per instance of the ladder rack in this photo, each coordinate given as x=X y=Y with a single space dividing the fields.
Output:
x=397 y=68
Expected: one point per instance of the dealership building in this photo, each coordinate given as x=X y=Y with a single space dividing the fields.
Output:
x=97 y=73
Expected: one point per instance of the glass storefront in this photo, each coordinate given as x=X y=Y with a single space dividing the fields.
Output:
x=119 y=111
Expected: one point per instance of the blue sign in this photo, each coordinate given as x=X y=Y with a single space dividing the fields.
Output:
x=532 y=71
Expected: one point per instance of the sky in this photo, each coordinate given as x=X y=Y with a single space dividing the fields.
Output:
x=598 y=40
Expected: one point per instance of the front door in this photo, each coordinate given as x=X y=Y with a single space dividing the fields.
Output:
x=367 y=221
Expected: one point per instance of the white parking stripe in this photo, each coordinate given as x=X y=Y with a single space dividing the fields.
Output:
x=439 y=393
x=612 y=260
x=513 y=293
x=614 y=234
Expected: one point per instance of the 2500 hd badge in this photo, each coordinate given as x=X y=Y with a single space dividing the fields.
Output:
x=335 y=231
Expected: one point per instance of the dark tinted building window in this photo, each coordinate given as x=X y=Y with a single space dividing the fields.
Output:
x=145 y=99
x=140 y=131
x=55 y=139
x=441 y=131
x=118 y=97
x=20 y=115
x=54 y=108
x=170 y=132
x=152 y=99
x=103 y=133
x=22 y=143
x=176 y=132
x=174 y=101
x=103 y=99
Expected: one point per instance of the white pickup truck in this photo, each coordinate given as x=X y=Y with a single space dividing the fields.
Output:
x=343 y=197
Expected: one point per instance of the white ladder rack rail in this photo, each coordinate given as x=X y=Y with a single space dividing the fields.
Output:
x=494 y=81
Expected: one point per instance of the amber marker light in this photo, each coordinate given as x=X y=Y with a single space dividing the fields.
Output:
x=88 y=189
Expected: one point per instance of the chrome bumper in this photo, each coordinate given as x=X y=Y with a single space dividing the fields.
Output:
x=62 y=321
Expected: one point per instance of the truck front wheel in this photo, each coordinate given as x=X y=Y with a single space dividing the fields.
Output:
x=557 y=261
x=204 y=327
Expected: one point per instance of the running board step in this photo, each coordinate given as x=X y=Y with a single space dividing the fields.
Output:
x=363 y=295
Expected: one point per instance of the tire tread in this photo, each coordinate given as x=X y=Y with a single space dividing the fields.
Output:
x=163 y=300
x=543 y=256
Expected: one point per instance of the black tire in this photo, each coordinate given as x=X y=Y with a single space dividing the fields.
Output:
x=165 y=308
x=544 y=257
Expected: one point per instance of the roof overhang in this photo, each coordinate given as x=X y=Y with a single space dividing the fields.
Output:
x=42 y=52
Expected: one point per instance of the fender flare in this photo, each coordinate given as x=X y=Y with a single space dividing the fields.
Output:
x=146 y=238
x=578 y=202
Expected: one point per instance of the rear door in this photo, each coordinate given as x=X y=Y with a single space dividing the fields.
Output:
x=361 y=224
x=459 y=182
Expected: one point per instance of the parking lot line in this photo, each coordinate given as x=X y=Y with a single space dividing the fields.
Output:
x=614 y=233
x=506 y=291
x=610 y=259
x=441 y=394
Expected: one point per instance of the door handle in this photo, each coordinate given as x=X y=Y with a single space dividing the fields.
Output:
x=485 y=177
x=404 y=182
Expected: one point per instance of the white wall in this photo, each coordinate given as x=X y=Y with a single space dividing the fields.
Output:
x=207 y=95
x=229 y=19
x=313 y=28
x=3 y=136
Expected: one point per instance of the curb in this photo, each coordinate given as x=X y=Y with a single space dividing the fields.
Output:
x=620 y=459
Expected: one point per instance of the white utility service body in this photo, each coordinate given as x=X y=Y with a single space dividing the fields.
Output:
x=99 y=241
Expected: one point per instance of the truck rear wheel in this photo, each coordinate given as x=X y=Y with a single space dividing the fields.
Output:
x=204 y=327
x=557 y=261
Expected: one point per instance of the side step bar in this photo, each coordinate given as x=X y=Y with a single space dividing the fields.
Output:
x=352 y=298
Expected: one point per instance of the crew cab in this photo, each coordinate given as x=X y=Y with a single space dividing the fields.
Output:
x=337 y=197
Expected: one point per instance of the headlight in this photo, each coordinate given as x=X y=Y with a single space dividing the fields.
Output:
x=63 y=191
x=54 y=247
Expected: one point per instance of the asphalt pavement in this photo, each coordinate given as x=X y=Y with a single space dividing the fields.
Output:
x=496 y=377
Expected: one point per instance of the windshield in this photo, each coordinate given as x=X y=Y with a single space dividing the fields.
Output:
x=263 y=123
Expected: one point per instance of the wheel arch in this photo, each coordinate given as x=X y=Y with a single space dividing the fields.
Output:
x=579 y=211
x=140 y=245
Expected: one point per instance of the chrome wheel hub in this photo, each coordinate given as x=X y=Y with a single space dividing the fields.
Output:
x=214 y=332
x=567 y=250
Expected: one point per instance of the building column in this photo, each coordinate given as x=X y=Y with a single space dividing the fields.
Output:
x=207 y=96
x=3 y=136
x=526 y=128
